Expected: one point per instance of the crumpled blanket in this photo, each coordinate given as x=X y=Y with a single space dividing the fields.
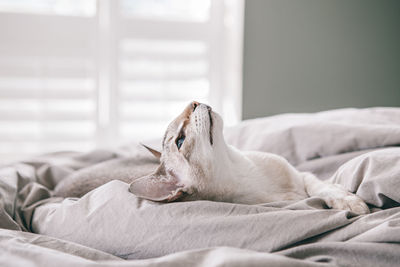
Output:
x=356 y=148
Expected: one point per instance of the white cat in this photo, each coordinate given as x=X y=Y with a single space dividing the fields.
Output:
x=196 y=163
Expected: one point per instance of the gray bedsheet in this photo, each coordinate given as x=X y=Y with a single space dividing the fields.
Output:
x=357 y=148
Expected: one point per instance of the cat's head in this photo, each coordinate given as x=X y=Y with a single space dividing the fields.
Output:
x=191 y=147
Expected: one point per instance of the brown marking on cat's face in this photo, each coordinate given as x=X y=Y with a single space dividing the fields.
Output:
x=188 y=153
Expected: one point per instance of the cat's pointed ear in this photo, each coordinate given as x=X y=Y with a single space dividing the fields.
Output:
x=155 y=153
x=157 y=187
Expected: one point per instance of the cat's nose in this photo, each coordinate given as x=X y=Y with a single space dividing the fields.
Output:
x=195 y=104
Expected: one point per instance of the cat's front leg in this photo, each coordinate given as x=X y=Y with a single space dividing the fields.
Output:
x=335 y=195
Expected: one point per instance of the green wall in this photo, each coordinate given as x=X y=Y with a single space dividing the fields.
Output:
x=312 y=55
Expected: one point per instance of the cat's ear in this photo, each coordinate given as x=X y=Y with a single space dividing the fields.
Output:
x=157 y=187
x=155 y=153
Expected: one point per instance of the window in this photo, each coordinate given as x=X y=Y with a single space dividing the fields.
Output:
x=75 y=75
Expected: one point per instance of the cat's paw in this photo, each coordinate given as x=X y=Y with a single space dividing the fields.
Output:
x=349 y=202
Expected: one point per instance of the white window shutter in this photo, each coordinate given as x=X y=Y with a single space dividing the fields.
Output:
x=75 y=75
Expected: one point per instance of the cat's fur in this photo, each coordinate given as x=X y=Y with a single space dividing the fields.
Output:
x=205 y=167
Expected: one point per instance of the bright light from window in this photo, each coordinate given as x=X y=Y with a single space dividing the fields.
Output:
x=178 y=10
x=119 y=73
x=85 y=8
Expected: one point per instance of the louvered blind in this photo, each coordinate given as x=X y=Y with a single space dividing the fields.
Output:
x=79 y=74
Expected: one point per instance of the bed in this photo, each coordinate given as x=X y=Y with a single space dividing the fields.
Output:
x=109 y=226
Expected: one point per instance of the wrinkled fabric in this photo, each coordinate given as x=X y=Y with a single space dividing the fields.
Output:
x=303 y=137
x=356 y=148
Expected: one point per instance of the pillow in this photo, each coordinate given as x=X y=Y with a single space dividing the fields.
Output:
x=301 y=137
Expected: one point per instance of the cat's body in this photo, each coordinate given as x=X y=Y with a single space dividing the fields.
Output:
x=245 y=177
x=196 y=163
